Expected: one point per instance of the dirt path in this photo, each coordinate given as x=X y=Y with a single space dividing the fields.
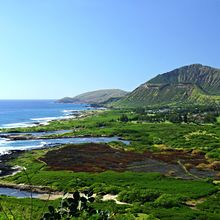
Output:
x=193 y=203
x=108 y=197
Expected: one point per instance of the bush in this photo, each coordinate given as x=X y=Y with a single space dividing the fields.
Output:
x=114 y=190
x=76 y=207
x=167 y=201
x=141 y=195
x=124 y=217
x=123 y=118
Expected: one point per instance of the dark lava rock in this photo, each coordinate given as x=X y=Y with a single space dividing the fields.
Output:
x=6 y=169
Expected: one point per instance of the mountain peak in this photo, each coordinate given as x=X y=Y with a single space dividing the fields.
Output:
x=193 y=83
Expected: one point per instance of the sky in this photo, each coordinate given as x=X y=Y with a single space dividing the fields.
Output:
x=50 y=49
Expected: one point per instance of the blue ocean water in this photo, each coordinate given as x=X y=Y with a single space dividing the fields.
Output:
x=21 y=113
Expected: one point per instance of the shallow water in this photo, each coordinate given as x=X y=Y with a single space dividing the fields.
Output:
x=17 y=193
x=6 y=145
x=36 y=134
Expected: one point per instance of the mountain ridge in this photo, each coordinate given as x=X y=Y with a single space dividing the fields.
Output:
x=95 y=97
x=191 y=84
x=204 y=76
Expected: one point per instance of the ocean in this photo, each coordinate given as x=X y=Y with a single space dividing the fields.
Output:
x=23 y=113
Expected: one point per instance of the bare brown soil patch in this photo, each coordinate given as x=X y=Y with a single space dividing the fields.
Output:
x=92 y=157
x=186 y=157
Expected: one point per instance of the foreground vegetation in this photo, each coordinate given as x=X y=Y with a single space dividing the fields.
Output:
x=146 y=195
x=164 y=207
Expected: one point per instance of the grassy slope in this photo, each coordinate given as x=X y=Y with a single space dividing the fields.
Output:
x=199 y=96
x=205 y=77
x=169 y=95
x=98 y=96
x=194 y=84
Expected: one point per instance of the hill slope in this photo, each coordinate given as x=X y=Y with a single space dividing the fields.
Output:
x=195 y=84
x=95 y=97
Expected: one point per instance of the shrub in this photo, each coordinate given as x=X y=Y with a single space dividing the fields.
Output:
x=141 y=195
x=123 y=118
x=76 y=207
x=167 y=201
x=124 y=217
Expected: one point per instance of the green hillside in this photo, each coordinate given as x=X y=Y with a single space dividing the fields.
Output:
x=95 y=97
x=207 y=78
x=193 y=84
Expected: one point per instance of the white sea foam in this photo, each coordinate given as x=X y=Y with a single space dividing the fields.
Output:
x=48 y=119
x=16 y=125
x=35 y=121
x=43 y=119
x=7 y=149
x=7 y=145
x=3 y=141
x=3 y=146
x=67 y=114
x=31 y=147
x=67 y=111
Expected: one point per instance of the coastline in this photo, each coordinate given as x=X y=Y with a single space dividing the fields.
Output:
x=34 y=122
x=72 y=115
x=31 y=113
x=30 y=188
x=5 y=168
x=7 y=134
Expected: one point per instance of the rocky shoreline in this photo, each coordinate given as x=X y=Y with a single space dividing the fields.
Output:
x=5 y=168
x=15 y=135
x=29 y=188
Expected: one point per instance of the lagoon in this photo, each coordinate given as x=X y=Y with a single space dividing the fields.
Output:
x=6 y=145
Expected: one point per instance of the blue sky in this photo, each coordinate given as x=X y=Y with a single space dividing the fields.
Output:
x=54 y=48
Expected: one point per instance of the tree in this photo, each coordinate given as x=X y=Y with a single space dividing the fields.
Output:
x=123 y=118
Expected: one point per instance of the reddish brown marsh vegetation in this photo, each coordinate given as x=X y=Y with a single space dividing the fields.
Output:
x=92 y=157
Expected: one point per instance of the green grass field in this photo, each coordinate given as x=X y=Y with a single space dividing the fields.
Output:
x=150 y=195
x=143 y=136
